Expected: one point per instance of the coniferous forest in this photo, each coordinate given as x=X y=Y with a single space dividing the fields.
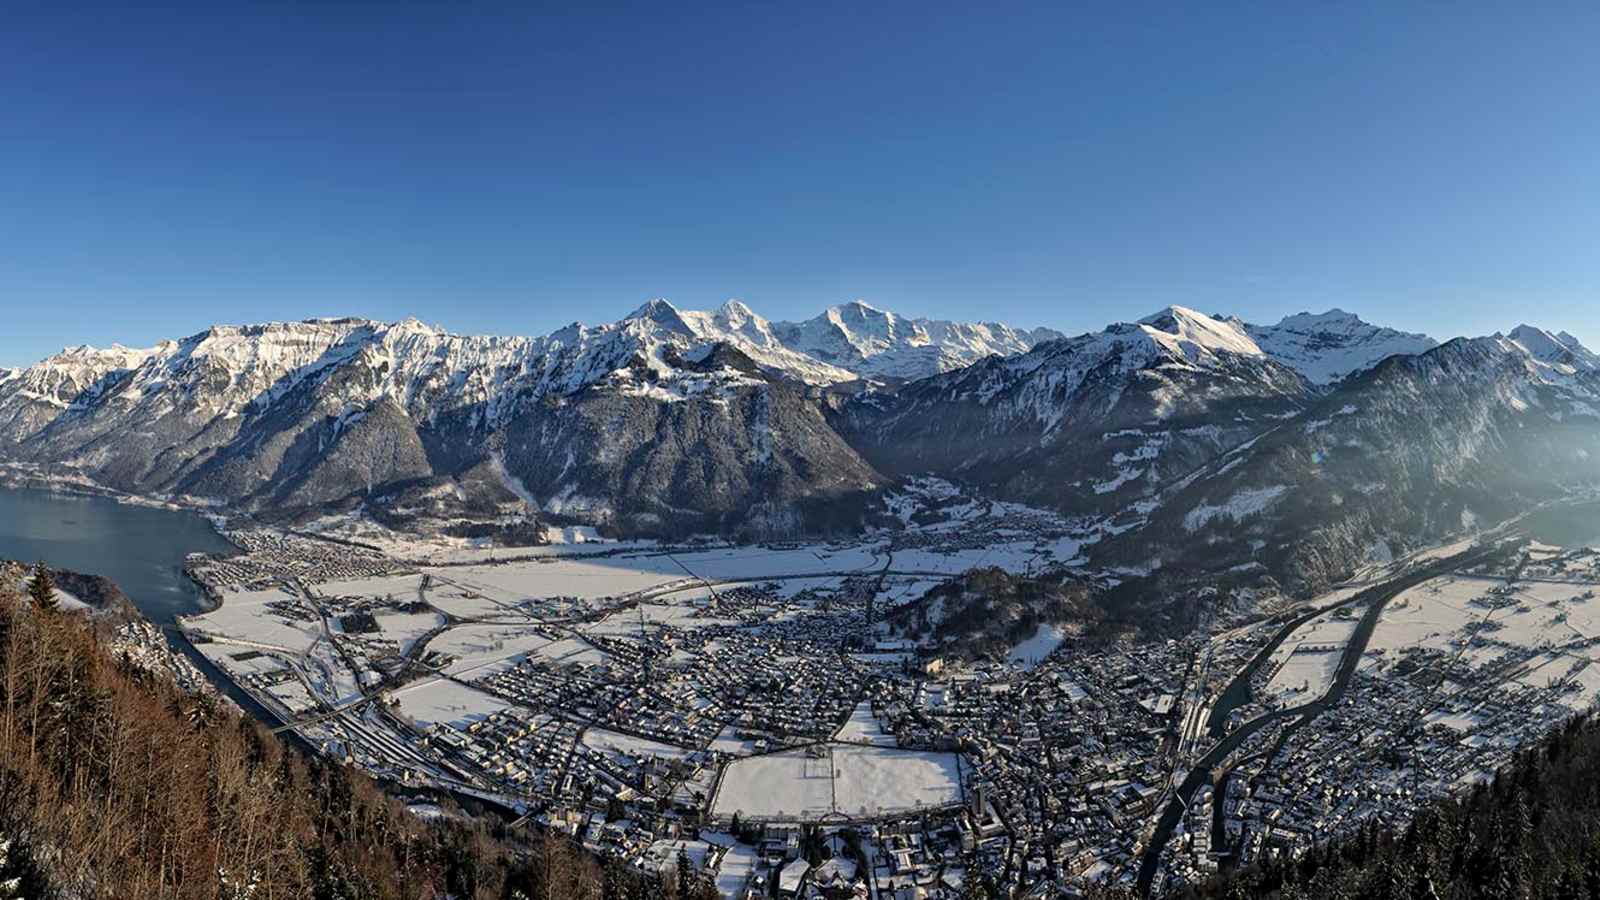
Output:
x=114 y=784
x=1530 y=834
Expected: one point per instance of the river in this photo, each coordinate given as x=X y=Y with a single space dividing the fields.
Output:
x=1374 y=599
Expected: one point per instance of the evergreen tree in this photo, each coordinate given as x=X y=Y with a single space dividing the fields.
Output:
x=42 y=588
x=685 y=874
x=10 y=881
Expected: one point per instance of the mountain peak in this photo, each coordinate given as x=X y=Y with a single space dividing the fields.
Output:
x=1334 y=316
x=1329 y=346
x=652 y=308
x=857 y=313
x=1188 y=332
x=736 y=312
x=414 y=325
x=662 y=313
x=1553 y=349
x=1168 y=314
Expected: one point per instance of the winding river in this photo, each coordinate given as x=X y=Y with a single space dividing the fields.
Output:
x=1374 y=599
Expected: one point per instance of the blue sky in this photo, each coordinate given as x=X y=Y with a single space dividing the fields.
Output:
x=1431 y=166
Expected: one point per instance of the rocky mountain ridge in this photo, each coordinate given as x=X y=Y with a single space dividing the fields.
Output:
x=1183 y=428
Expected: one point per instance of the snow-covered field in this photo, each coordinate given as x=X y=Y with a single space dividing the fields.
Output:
x=584 y=578
x=1539 y=624
x=403 y=588
x=1304 y=677
x=405 y=628
x=625 y=748
x=865 y=782
x=1308 y=659
x=1429 y=615
x=571 y=652
x=245 y=617
x=756 y=563
x=482 y=649
x=1044 y=642
x=445 y=701
x=654 y=616
x=1015 y=556
x=863 y=727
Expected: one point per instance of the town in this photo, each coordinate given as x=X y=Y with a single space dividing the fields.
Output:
x=745 y=710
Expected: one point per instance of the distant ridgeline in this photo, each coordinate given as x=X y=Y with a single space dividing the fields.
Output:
x=1192 y=444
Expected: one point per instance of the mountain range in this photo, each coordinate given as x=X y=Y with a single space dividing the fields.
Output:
x=1298 y=448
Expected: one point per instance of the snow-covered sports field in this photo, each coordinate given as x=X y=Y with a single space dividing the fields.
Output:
x=864 y=782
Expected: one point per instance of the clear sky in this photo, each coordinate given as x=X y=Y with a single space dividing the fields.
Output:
x=1434 y=166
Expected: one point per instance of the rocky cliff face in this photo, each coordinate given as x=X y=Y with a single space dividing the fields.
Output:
x=663 y=421
x=1419 y=448
x=1093 y=422
x=1299 y=448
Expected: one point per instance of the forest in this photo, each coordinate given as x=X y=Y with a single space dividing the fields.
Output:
x=1533 y=832
x=115 y=784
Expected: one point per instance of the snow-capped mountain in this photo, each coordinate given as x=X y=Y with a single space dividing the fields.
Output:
x=31 y=397
x=1561 y=352
x=845 y=343
x=875 y=343
x=1333 y=345
x=1088 y=422
x=666 y=418
x=736 y=324
x=670 y=419
x=300 y=415
x=1420 y=447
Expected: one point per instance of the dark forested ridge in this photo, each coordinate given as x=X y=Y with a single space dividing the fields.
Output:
x=114 y=784
x=1533 y=833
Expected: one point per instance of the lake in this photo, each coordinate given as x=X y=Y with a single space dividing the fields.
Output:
x=140 y=548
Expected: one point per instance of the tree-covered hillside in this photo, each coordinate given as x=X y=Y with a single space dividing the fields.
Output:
x=115 y=784
x=1531 y=834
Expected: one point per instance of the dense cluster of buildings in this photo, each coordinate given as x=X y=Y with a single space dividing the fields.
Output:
x=619 y=719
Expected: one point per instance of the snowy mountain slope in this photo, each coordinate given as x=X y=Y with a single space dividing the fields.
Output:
x=844 y=343
x=31 y=397
x=299 y=415
x=1335 y=344
x=1562 y=352
x=745 y=457
x=736 y=324
x=1090 y=422
x=1418 y=448
x=879 y=344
